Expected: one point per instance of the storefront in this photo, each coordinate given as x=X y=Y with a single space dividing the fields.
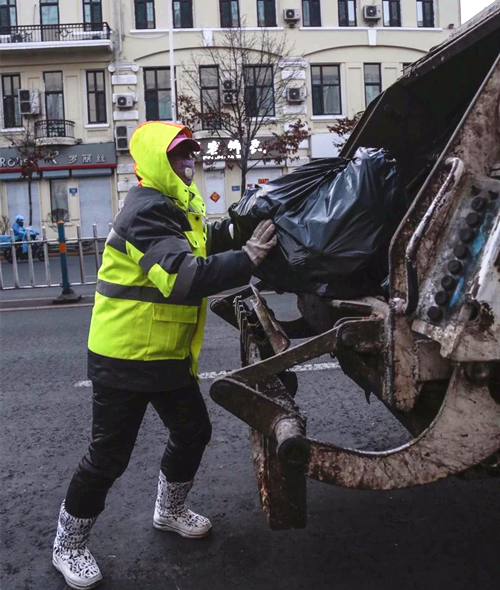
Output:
x=75 y=186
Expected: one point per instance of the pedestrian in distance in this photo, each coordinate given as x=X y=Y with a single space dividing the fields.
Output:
x=160 y=262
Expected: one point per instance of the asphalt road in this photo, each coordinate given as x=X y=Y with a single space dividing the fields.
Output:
x=444 y=535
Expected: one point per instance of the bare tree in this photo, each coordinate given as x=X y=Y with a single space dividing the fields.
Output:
x=342 y=129
x=247 y=69
x=30 y=154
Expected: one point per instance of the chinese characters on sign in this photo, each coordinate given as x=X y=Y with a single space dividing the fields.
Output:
x=213 y=151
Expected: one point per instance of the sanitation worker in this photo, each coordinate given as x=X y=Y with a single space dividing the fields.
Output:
x=159 y=264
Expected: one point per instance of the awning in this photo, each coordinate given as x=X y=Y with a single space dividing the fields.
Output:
x=56 y=174
x=91 y=172
x=16 y=176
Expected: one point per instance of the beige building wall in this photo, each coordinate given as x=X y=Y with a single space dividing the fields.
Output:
x=130 y=50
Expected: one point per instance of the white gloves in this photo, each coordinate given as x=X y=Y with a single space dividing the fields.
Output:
x=262 y=240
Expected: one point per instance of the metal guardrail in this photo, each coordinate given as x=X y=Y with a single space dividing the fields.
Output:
x=81 y=245
x=54 y=128
x=59 y=33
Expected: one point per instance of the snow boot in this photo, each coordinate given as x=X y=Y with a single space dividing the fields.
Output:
x=71 y=556
x=171 y=513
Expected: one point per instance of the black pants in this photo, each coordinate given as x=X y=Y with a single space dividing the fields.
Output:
x=116 y=418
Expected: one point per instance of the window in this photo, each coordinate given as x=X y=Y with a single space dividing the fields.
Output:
x=311 y=10
x=59 y=210
x=11 y=115
x=144 y=14
x=373 y=82
x=326 y=90
x=266 y=13
x=49 y=18
x=7 y=16
x=54 y=103
x=425 y=13
x=96 y=96
x=259 y=91
x=347 y=13
x=183 y=14
x=229 y=14
x=392 y=13
x=158 y=94
x=92 y=13
x=210 y=96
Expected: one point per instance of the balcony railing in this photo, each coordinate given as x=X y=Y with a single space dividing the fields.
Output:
x=54 y=128
x=55 y=33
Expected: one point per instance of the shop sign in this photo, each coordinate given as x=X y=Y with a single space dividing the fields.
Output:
x=90 y=155
x=216 y=149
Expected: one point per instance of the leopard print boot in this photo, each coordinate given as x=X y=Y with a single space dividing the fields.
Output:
x=171 y=513
x=71 y=556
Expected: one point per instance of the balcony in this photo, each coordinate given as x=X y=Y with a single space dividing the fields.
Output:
x=55 y=132
x=76 y=35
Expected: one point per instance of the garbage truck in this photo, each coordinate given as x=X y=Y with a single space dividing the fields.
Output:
x=430 y=349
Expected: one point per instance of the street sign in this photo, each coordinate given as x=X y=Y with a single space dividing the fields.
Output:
x=236 y=188
x=73 y=191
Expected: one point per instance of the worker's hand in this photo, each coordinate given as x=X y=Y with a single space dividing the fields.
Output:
x=262 y=240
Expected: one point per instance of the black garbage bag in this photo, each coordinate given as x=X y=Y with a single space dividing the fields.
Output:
x=334 y=221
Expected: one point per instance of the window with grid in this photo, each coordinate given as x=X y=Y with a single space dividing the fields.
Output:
x=49 y=19
x=311 y=13
x=326 y=90
x=145 y=14
x=54 y=95
x=425 y=13
x=183 y=14
x=158 y=94
x=373 y=82
x=266 y=13
x=11 y=115
x=347 y=13
x=392 y=13
x=229 y=14
x=210 y=96
x=96 y=96
x=259 y=91
x=8 y=17
x=92 y=11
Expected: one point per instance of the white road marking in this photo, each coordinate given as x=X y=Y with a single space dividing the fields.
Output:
x=214 y=374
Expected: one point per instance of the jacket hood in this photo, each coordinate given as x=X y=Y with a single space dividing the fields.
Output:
x=148 y=147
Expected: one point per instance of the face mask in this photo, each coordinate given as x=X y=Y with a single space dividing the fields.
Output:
x=183 y=166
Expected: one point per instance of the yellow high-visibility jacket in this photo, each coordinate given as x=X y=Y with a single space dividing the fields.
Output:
x=148 y=319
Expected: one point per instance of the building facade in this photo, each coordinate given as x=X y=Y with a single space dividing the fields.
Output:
x=90 y=71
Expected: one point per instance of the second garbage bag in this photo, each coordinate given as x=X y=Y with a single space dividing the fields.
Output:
x=334 y=220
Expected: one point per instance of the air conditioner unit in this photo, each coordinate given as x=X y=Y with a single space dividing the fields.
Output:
x=124 y=101
x=227 y=84
x=291 y=15
x=372 y=12
x=29 y=101
x=123 y=133
x=229 y=98
x=294 y=95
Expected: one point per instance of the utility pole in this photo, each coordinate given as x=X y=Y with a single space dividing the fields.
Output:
x=173 y=92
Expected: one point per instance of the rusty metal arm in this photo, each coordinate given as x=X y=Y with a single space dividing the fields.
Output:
x=465 y=432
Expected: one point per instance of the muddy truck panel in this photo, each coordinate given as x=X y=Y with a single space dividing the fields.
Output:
x=430 y=351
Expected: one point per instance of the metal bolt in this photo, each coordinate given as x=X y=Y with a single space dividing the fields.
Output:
x=473 y=219
x=455 y=267
x=479 y=204
x=435 y=314
x=475 y=190
x=461 y=251
x=441 y=297
x=493 y=194
x=478 y=373
x=466 y=235
x=449 y=283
